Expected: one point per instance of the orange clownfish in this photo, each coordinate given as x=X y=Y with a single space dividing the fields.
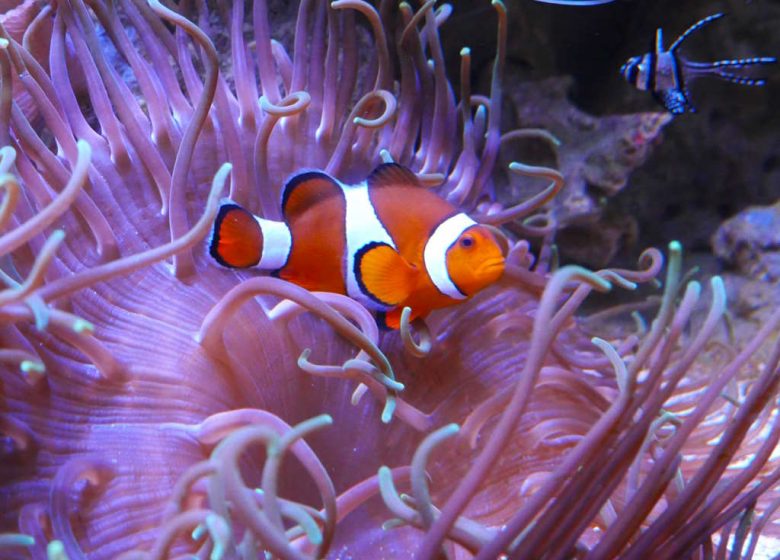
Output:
x=387 y=242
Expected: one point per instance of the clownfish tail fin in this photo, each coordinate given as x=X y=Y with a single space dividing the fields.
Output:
x=237 y=239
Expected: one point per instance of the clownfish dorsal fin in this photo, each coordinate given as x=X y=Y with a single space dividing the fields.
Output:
x=384 y=275
x=306 y=190
x=394 y=174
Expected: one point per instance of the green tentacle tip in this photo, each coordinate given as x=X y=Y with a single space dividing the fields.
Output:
x=385 y=477
x=391 y=524
x=40 y=313
x=675 y=247
x=313 y=532
x=55 y=550
x=718 y=292
x=4 y=43
x=198 y=532
x=465 y=51
x=15 y=539
x=392 y=384
x=83 y=326
x=220 y=534
x=304 y=357
x=389 y=410
x=30 y=366
x=312 y=424
x=450 y=429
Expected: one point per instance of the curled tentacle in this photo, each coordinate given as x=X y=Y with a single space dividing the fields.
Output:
x=422 y=494
x=226 y=484
x=96 y=471
x=182 y=259
x=383 y=76
x=356 y=119
x=423 y=348
x=40 y=266
x=211 y=327
x=61 y=203
x=527 y=207
x=125 y=265
x=11 y=186
x=223 y=426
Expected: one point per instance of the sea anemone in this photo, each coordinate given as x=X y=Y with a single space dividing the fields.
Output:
x=149 y=399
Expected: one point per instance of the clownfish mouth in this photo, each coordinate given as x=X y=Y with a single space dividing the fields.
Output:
x=491 y=267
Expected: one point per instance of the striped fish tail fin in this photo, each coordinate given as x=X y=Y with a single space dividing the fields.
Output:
x=728 y=69
x=741 y=80
x=743 y=62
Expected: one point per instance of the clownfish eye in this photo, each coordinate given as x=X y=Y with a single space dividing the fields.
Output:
x=467 y=242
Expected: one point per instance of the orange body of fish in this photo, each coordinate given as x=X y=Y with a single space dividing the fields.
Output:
x=387 y=242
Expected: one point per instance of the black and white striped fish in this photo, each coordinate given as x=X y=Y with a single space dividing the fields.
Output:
x=667 y=74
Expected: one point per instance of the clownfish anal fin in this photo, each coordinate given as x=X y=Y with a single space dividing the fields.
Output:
x=383 y=274
x=236 y=240
x=392 y=319
x=392 y=174
x=305 y=190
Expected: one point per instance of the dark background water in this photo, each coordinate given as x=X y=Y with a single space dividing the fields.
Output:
x=709 y=165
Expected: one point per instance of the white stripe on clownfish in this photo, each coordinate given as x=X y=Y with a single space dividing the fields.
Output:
x=445 y=236
x=277 y=243
x=363 y=227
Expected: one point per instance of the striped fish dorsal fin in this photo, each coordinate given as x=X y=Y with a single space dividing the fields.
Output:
x=392 y=174
x=696 y=26
x=306 y=190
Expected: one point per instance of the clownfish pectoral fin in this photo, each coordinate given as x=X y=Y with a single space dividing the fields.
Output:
x=306 y=190
x=384 y=275
x=392 y=174
x=236 y=240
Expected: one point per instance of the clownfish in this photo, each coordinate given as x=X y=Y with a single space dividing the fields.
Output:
x=387 y=242
x=667 y=74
